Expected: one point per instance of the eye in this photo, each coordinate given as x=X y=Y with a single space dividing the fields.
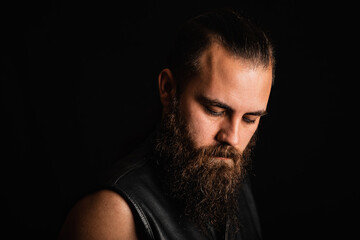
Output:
x=214 y=111
x=249 y=120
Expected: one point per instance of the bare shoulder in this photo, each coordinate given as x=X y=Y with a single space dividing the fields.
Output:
x=102 y=215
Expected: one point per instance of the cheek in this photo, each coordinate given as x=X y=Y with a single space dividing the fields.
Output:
x=247 y=135
x=201 y=128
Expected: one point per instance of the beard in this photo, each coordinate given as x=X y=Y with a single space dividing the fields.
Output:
x=206 y=187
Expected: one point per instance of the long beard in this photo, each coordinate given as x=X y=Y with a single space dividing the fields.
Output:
x=207 y=187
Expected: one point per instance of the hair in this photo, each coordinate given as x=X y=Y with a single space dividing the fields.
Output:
x=235 y=33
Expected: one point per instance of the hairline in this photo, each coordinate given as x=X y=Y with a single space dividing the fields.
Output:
x=213 y=38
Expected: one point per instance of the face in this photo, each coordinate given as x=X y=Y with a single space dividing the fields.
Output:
x=206 y=134
x=224 y=102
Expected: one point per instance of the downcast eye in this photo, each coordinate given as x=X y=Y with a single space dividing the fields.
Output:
x=214 y=111
x=248 y=120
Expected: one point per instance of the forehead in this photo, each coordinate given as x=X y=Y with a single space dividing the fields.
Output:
x=232 y=80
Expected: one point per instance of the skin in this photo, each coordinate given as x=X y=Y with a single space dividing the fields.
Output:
x=102 y=215
x=222 y=104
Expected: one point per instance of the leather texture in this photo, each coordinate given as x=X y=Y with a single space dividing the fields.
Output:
x=157 y=217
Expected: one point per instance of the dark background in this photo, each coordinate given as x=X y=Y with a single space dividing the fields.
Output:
x=79 y=90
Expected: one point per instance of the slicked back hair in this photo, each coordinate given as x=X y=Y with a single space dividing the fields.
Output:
x=235 y=33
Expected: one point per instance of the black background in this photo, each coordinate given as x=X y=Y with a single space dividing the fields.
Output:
x=79 y=90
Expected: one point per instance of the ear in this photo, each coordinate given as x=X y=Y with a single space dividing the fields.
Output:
x=167 y=87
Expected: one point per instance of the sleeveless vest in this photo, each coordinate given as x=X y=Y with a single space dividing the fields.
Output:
x=135 y=178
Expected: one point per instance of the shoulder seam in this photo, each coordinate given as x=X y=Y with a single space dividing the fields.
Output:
x=130 y=168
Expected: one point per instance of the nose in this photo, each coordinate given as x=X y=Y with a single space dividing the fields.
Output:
x=229 y=132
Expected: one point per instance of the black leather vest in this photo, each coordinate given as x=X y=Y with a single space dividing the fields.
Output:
x=156 y=216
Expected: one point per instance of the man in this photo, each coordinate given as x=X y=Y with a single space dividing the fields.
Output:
x=188 y=181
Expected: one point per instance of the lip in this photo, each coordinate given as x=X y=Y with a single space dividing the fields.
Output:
x=226 y=161
x=222 y=158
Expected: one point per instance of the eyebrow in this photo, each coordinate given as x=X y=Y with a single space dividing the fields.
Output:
x=215 y=102
x=257 y=113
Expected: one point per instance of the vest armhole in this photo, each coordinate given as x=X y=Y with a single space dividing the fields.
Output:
x=139 y=215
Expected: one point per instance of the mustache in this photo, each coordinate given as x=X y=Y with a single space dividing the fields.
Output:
x=221 y=150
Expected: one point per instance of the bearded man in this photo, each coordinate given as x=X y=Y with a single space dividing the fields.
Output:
x=189 y=180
